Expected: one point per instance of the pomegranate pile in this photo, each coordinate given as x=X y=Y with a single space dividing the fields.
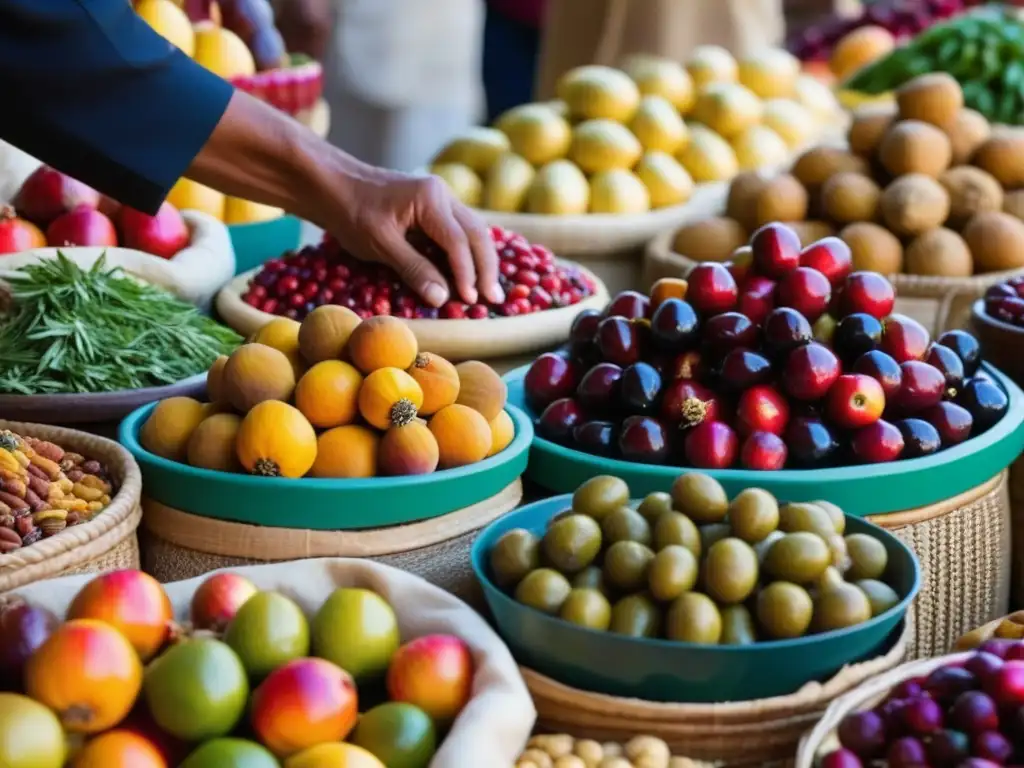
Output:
x=297 y=283
x=965 y=714
x=781 y=357
x=1005 y=301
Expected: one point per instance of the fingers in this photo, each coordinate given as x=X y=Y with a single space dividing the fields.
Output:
x=484 y=254
x=439 y=222
x=414 y=269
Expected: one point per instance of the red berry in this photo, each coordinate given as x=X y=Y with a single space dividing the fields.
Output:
x=453 y=310
x=297 y=300
x=806 y=290
x=270 y=306
x=974 y=712
x=478 y=312
x=540 y=299
x=867 y=292
x=517 y=292
x=381 y=306
x=558 y=420
x=524 y=305
x=507 y=268
x=841 y=758
x=855 y=401
x=764 y=451
x=757 y=299
x=711 y=445
x=952 y=421
x=877 y=443
x=776 y=250
x=687 y=403
x=830 y=256
x=528 y=278
x=810 y=372
x=550 y=377
x=762 y=409
x=630 y=305
x=258 y=291
x=903 y=338
x=711 y=288
x=882 y=369
x=921 y=387
x=551 y=283
x=1006 y=685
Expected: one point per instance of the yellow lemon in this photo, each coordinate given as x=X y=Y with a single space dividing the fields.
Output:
x=478 y=148
x=560 y=189
x=771 y=73
x=191 y=195
x=239 y=211
x=593 y=92
x=666 y=180
x=601 y=145
x=759 y=147
x=658 y=126
x=708 y=157
x=170 y=21
x=711 y=64
x=536 y=132
x=727 y=108
x=336 y=755
x=464 y=184
x=792 y=121
x=656 y=76
x=222 y=52
x=618 y=191
x=507 y=183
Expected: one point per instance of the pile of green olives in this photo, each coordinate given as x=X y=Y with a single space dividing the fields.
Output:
x=692 y=566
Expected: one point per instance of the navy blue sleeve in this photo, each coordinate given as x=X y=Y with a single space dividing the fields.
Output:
x=96 y=93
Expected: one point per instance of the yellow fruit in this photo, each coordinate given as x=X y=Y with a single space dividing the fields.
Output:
x=727 y=108
x=349 y=451
x=503 y=430
x=596 y=92
x=461 y=180
x=212 y=444
x=658 y=126
x=859 y=48
x=169 y=427
x=708 y=157
x=507 y=183
x=389 y=397
x=222 y=51
x=667 y=182
x=601 y=145
x=791 y=120
x=282 y=334
x=536 y=132
x=478 y=148
x=191 y=195
x=333 y=756
x=759 y=147
x=325 y=333
x=618 y=191
x=276 y=440
x=771 y=73
x=559 y=188
x=656 y=76
x=255 y=373
x=239 y=211
x=328 y=394
x=170 y=21
x=711 y=64
x=816 y=97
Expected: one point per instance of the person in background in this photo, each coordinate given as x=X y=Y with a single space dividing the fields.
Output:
x=511 y=46
x=95 y=92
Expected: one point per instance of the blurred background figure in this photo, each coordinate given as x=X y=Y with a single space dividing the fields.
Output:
x=512 y=38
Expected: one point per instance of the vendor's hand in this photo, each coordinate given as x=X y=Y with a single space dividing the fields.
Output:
x=305 y=25
x=381 y=209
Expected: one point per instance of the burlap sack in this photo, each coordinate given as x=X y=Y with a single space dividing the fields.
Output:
x=493 y=728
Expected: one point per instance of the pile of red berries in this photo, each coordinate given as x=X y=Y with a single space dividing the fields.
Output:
x=297 y=283
x=968 y=714
x=782 y=357
x=1005 y=301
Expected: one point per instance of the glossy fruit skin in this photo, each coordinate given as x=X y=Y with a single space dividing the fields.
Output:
x=762 y=409
x=830 y=256
x=630 y=305
x=903 y=338
x=598 y=390
x=784 y=330
x=776 y=250
x=558 y=420
x=304 y=703
x=966 y=348
x=974 y=712
x=132 y=602
x=674 y=326
x=863 y=733
x=712 y=289
x=639 y=388
x=357 y=630
x=618 y=341
x=434 y=673
x=867 y=292
x=1006 y=686
x=883 y=369
x=952 y=421
x=218 y=599
x=597 y=437
x=30 y=734
x=948 y=747
x=919 y=438
x=162 y=235
x=230 y=753
x=16 y=234
x=582 y=333
x=877 y=443
x=643 y=439
x=985 y=401
x=689 y=403
x=922 y=387
x=810 y=371
x=47 y=193
x=949 y=365
x=727 y=331
x=764 y=451
x=550 y=377
x=855 y=336
x=855 y=401
x=119 y=749
x=23 y=628
x=399 y=734
x=906 y=751
x=810 y=442
x=742 y=369
x=841 y=758
x=81 y=226
x=806 y=290
x=711 y=445
x=757 y=298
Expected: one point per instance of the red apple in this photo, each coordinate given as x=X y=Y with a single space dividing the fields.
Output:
x=711 y=445
x=84 y=226
x=47 y=193
x=712 y=289
x=867 y=292
x=810 y=372
x=854 y=401
x=762 y=409
x=162 y=235
x=877 y=443
x=764 y=451
x=757 y=299
x=218 y=599
x=830 y=256
x=434 y=673
x=903 y=338
x=776 y=250
x=806 y=290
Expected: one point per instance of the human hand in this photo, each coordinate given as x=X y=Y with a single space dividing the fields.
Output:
x=305 y=25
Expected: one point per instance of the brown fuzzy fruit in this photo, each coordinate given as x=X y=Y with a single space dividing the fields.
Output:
x=256 y=372
x=325 y=332
x=934 y=98
x=849 y=197
x=939 y=252
x=1013 y=203
x=215 y=380
x=438 y=379
x=212 y=444
x=913 y=204
x=167 y=430
x=408 y=450
x=810 y=231
x=382 y=341
x=874 y=248
x=815 y=166
x=967 y=132
x=1002 y=155
x=741 y=202
x=996 y=240
x=781 y=199
x=481 y=389
x=869 y=125
x=463 y=436
x=712 y=239
x=912 y=146
x=971 y=190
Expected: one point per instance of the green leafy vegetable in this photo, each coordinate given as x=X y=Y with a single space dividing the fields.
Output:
x=98 y=330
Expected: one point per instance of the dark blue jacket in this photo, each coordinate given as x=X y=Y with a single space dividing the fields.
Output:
x=93 y=91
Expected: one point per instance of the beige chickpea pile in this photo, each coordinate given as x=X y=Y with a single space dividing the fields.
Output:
x=563 y=751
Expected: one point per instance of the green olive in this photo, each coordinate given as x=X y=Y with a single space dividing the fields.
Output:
x=738 y=626
x=805 y=517
x=636 y=616
x=600 y=495
x=513 y=556
x=543 y=589
x=753 y=514
x=784 y=610
x=730 y=571
x=694 y=618
x=673 y=571
x=834 y=512
x=799 y=557
x=709 y=534
x=844 y=606
x=587 y=608
x=571 y=544
x=830 y=579
x=881 y=596
x=626 y=564
x=590 y=577
x=762 y=547
x=654 y=505
x=868 y=557
x=625 y=524
x=676 y=528
x=700 y=497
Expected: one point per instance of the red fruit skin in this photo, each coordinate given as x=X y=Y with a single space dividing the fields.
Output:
x=763 y=451
x=23 y=628
x=162 y=235
x=762 y=409
x=17 y=235
x=550 y=377
x=434 y=673
x=882 y=369
x=806 y=290
x=757 y=299
x=711 y=445
x=1006 y=685
x=855 y=401
x=841 y=758
x=954 y=422
x=84 y=226
x=680 y=404
x=877 y=443
x=903 y=338
x=810 y=372
x=974 y=712
x=867 y=292
x=558 y=420
x=830 y=256
x=47 y=193
x=921 y=388
x=776 y=250
x=218 y=599
x=630 y=305
x=711 y=288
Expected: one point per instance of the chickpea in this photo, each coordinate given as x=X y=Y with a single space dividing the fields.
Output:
x=615 y=762
x=537 y=757
x=555 y=745
x=648 y=752
x=569 y=761
x=611 y=749
x=590 y=751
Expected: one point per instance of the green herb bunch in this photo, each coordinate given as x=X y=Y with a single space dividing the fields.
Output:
x=98 y=330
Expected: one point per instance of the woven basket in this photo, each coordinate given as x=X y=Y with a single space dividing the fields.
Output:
x=178 y=545
x=1017 y=529
x=106 y=543
x=733 y=733
x=822 y=740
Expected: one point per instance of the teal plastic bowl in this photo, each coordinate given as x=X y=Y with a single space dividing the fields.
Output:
x=324 y=504
x=256 y=243
x=663 y=670
x=859 y=490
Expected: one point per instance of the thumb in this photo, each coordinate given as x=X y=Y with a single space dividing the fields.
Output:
x=415 y=270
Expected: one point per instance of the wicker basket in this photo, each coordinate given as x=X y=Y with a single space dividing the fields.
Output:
x=106 y=543
x=178 y=545
x=733 y=733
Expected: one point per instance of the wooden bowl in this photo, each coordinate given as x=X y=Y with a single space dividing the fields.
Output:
x=1002 y=344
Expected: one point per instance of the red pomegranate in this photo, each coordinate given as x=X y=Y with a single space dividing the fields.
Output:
x=82 y=226
x=16 y=234
x=48 y=193
x=162 y=235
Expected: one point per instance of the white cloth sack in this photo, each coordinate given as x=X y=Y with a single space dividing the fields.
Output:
x=493 y=728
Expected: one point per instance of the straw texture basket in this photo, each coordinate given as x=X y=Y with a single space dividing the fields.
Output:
x=822 y=740
x=106 y=543
x=178 y=545
x=1017 y=528
x=732 y=733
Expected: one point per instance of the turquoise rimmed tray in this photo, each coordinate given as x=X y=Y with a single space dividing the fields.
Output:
x=665 y=670
x=324 y=504
x=263 y=240
x=860 y=490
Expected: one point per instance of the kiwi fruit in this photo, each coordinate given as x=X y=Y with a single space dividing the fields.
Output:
x=971 y=190
x=742 y=199
x=934 y=98
x=967 y=132
x=1013 y=203
x=814 y=167
x=782 y=198
x=874 y=248
x=868 y=126
x=1002 y=155
x=848 y=197
x=913 y=146
x=913 y=204
x=810 y=231
x=939 y=252
x=996 y=240
x=711 y=239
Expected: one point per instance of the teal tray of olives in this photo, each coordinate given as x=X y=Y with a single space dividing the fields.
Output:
x=860 y=490
x=261 y=241
x=655 y=669
x=320 y=503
